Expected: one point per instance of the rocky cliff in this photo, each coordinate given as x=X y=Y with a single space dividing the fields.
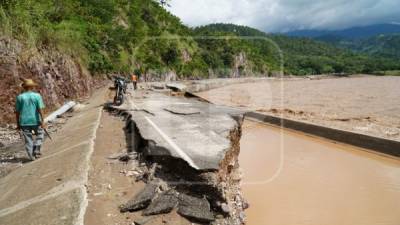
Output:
x=60 y=77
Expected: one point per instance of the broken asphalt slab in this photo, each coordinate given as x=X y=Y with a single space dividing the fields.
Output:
x=185 y=128
x=208 y=84
x=193 y=208
x=164 y=203
x=141 y=200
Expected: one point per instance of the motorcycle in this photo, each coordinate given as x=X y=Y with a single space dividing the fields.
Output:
x=120 y=85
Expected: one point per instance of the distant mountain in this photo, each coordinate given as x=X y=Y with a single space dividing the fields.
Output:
x=387 y=46
x=301 y=55
x=381 y=40
x=350 y=33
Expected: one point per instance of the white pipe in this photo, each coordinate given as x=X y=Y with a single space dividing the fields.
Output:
x=60 y=111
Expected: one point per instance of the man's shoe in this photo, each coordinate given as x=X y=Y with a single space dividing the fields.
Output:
x=38 y=155
x=31 y=157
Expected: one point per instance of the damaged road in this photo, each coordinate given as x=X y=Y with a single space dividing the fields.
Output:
x=191 y=150
x=197 y=132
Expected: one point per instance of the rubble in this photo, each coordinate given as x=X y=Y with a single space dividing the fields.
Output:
x=123 y=156
x=143 y=220
x=164 y=203
x=141 y=200
x=196 y=159
x=193 y=208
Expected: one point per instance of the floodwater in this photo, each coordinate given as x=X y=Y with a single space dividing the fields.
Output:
x=294 y=179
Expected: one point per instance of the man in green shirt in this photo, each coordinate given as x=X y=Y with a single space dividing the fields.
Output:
x=28 y=107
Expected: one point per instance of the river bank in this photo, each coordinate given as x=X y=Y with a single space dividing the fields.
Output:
x=362 y=104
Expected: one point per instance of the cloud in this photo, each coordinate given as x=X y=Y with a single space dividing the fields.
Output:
x=283 y=15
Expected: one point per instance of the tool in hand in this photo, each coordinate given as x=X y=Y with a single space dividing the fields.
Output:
x=47 y=133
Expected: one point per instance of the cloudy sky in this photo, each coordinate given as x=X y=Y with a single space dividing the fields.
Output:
x=283 y=15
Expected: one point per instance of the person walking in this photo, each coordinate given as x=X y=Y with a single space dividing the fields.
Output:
x=134 y=81
x=29 y=115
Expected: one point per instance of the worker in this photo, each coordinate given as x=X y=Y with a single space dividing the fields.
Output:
x=29 y=115
x=134 y=81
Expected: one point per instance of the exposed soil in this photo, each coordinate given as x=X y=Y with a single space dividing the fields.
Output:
x=111 y=182
x=363 y=104
x=290 y=178
x=60 y=77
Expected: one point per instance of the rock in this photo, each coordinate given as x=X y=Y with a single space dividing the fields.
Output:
x=225 y=209
x=116 y=155
x=164 y=203
x=122 y=156
x=132 y=173
x=242 y=217
x=141 y=200
x=1 y=144
x=246 y=205
x=197 y=209
x=125 y=158
x=142 y=220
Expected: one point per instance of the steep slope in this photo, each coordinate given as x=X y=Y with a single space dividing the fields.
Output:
x=61 y=44
x=387 y=46
x=301 y=55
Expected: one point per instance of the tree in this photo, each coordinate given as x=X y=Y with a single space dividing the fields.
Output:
x=165 y=3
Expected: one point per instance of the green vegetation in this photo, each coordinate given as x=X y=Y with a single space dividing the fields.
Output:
x=388 y=73
x=140 y=35
x=387 y=46
x=304 y=56
x=104 y=35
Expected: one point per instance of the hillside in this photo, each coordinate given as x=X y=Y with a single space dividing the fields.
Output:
x=301 y=55
x=381 y=40
x=123 y=36
x=67 y=45
x=349 y=33
x=105 y=36
x=387 y=46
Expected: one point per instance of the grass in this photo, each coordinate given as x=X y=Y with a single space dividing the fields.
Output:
x=388 y=73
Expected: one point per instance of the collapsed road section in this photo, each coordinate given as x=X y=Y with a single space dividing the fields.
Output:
x=191 y=151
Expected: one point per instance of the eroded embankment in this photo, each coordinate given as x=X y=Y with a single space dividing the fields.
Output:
x=60 y=77
x=172 y=143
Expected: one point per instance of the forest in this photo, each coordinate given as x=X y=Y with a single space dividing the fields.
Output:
x=141 y=36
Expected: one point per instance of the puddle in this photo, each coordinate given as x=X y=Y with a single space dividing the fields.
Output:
x=315 y=182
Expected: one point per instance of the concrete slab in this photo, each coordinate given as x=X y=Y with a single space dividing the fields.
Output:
x=208 y=84
x=53 y=173
x=185 y=128
x=52 y=190
x=176 y=86
x=60 y=210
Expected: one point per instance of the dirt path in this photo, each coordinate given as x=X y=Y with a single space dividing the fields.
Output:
x=109 y=186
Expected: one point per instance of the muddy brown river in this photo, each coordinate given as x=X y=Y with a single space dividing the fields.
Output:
x=294 y=179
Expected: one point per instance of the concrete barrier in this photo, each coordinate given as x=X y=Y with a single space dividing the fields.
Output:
x=377 y=144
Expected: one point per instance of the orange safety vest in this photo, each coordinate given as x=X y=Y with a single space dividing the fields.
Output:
x=134 y=78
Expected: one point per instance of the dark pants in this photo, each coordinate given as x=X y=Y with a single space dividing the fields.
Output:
x=33 y=145
x=134 y=85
